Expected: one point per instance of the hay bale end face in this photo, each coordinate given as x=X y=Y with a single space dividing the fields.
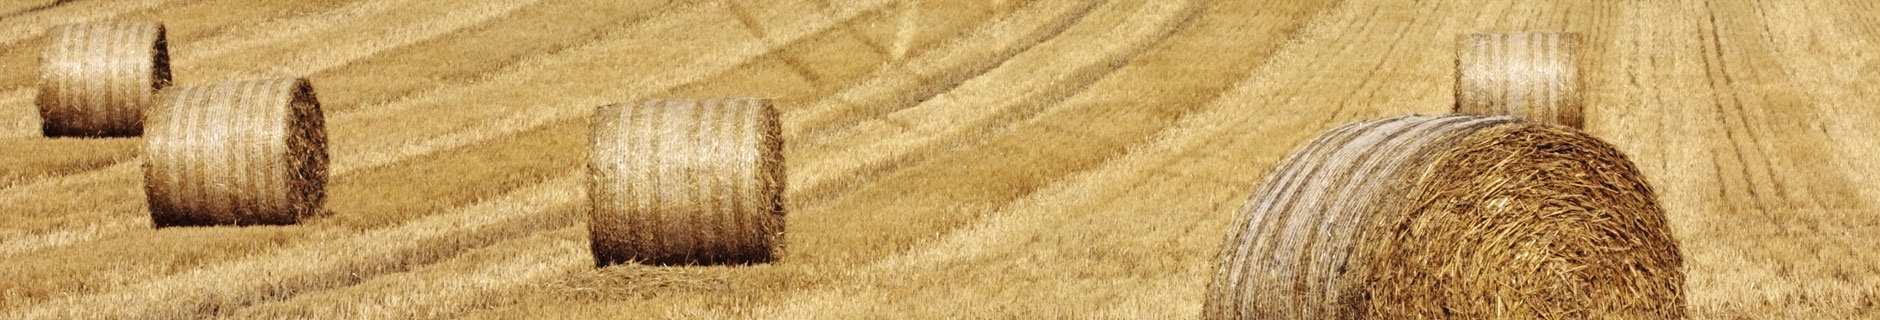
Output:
x=236 y=153
x=686 y=182
x=1534 y=76
x=97 y=79
x=1450 y=217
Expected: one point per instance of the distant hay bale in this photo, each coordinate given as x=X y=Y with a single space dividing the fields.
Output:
x=96 y=79
x=1457 y=216
x=236 y=153
x=686 y=182
x=1533 y=76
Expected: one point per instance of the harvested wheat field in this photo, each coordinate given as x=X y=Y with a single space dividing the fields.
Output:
x=974 y=159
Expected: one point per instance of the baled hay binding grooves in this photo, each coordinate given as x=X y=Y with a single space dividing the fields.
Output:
x=686 y=182
x=1457 y=216
x=236 y=153
x=96 y=79
x=1534 y=76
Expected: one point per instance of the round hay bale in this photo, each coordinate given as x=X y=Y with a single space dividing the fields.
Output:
x=1450 y=217
x=236 y=153
x=1533 y=76
x=686 y=182
x=96 y=79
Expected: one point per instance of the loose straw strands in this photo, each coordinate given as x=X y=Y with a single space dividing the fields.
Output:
x=1534 y=76
x=1450 y=217
x=239 y=152
x=686 y=182
x=96 y=79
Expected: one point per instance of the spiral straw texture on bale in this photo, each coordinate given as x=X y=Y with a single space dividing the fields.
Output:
x=686 y=182
x=1450 y=217
x=1534 y=76
x=236 y=153
x=96 y=79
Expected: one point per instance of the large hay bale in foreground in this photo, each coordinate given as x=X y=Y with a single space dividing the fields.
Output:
x=686 y=182
x=236 y=153
x=96 y=79
x=1448 y=217
x=1534 y=76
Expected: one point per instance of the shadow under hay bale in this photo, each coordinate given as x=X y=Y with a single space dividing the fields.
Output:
x=1533 y=76
x=686 y=182
x=236 y=153
x=1450 y=217
x=97 y=79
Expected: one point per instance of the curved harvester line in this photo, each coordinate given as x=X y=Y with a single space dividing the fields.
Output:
x=16 y=106
x=314 y=52
x=508 y=117
x=19 y=244
x=1132 y=183
x=456 y=17
x=205 y=36
x=553 y=260
x=739 y=64
x=502 y=44
x=1063 y=225
x=1117 y=13
x=380 y=149
x=949 y=190
x=201 y=16
x=29 y=48
x=484 y=278
x=38 y=159
x=313 y=266
x=14 y=29
x=373 y=200
x=940 y=70
x=557 y=260
x=266 y=34
x=25 y=95
x=210 y=53
x=93 y=179
x=120 y=185
x=986 y=105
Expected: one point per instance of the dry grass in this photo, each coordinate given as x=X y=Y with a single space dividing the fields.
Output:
x=366 y=200
x=1534 y=76
x=1087 y=153
x=16 y=8
x=381 y=144
x=1420 y=217
x=389 y=75
x=236 y=153
x=481 y=279
x=340 y=260
x=686 y=182
x=336 y=38
x=33 y=24
x=35 y=159
x=97 y=79
x=1024 y=85
x=207 y=20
